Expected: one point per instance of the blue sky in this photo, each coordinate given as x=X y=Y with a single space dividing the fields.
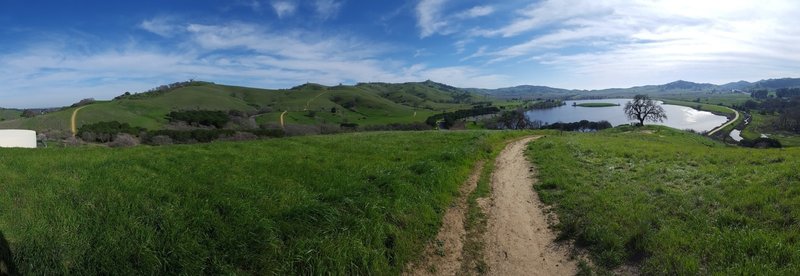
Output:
x=54 y=53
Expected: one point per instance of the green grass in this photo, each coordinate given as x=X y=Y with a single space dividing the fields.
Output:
x=9 y=114
x=596 y=104
x=674 y=203
x=364 y=104
x=363 y=203
x=724 y=99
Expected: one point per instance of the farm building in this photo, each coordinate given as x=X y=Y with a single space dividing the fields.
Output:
x=17 y=138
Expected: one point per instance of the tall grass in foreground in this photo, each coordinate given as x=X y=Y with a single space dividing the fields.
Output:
x=363 y=203
x=674 y=203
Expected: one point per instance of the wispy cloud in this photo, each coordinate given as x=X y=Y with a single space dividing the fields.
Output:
x=327 y=9
x=434 y=17
x=609 y=42
x=429 y=17
x=163 y=26
x=284 y=8
x=475 y=12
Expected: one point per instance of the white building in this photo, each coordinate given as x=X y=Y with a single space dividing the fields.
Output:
x=17 y=138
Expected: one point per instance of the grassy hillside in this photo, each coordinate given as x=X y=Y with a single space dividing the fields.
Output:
x=363 y=203
x=9 y=114
x=673 y=203
x=364 y=104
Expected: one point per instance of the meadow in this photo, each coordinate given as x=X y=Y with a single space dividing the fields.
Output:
x=361 y=203
x=673 y=203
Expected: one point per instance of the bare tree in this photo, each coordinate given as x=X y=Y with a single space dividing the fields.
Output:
x=642 y=108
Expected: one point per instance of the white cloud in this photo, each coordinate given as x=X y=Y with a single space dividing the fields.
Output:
x=429 y=17
x=616 y=43
x=475 y=12
x=284 y=8
x=327 y=9
x=162 y=26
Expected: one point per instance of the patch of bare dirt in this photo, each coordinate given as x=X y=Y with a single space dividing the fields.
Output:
x=518 y=240
x=445 y=255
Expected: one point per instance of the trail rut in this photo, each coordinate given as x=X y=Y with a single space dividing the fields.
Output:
x=518 y=240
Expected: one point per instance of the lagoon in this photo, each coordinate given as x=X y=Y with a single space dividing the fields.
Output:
x=679 y=117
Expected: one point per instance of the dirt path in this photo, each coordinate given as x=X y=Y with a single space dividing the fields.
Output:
x=283 y=126
x=445 y=255
x=726 y=124
x=73 y=124
x=518 y=240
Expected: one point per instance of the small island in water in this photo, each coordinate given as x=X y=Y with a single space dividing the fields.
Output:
x=595 y=104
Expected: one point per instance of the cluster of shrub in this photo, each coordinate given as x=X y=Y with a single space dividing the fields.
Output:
x=549 y=103
x=203 y=126
x=582 y=126
x=209 y=118
x=787 y=106
x=447 y=119
x=123 y=134
x=761 y=143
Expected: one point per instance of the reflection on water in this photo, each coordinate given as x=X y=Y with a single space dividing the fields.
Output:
x=736 y=135
x=679 y=117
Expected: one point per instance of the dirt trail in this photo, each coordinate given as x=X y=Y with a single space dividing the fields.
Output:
x=73 y=124
x=518 y=240
x=445 y=255
x=283 y=126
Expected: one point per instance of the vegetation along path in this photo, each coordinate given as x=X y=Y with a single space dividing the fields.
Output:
x=517 y=240
x=73 y=124
x=726 y=124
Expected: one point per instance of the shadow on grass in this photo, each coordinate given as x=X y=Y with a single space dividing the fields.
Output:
x=6 y=260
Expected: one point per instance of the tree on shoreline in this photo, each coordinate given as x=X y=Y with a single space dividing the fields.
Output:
x=642 y=108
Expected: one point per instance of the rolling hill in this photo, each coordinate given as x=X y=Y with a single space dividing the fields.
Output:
x=677 y=88
x=363 y=104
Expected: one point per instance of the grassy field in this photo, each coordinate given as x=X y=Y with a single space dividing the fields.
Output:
x=9 y=114
x=310 y=104
x=761 y=124
x=724 y=99
x=363 y=203
x=673 y=203
x=596 y=104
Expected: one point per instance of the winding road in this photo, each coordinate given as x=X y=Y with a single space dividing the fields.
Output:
x=726 y=124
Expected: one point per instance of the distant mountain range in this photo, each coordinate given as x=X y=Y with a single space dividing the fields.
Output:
x=672 y=88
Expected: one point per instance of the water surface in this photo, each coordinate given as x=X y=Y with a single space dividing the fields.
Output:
x=679 y=117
